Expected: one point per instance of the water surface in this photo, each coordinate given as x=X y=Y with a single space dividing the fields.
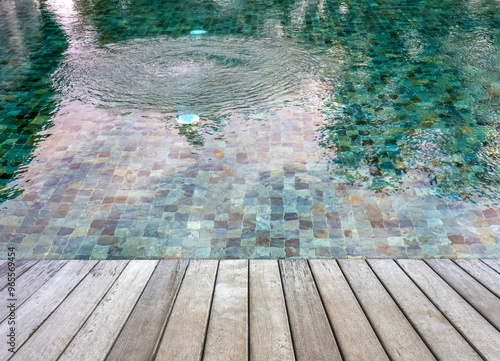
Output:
x=327 y=128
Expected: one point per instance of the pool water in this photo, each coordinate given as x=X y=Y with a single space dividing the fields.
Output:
x=324 y=129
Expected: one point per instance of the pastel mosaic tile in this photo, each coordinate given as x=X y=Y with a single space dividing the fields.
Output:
x=327 y=129
x=126 y=186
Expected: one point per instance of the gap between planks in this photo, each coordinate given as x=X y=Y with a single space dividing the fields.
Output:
x=224 y=283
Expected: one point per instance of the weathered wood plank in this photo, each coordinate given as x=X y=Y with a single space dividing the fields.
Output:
x=488 y=277
x=355 y=336
x=475 y=328
x=70 y=301
x=270 y=337
x=21 y=267
x=441 y=337
x=185 y=332
x=493 y=263
x=32 y=280
x=94 y=340
x=311 y=332
x=397 y=335
x=478 y=296
x=227 y=333
x=44 y=301
x=149 y=317
x=52 y=337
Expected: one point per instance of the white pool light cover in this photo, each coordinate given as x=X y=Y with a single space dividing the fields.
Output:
x=197 y=32
x=188 y=119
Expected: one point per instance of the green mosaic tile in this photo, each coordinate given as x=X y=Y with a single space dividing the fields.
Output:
x=327 y=129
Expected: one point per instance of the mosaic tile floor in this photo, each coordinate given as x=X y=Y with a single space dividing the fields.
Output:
x=125 y=186
x=373 y=136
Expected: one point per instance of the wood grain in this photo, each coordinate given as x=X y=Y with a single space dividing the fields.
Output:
x=478 y=296
x=474 y=327
x=488 y=277
x=397 y=335
x=45 y=300
x=21 y=267
x=50 y=340
x=441 y=337
x=94 y=340
x=311 y=333
x=227 y=333
x=270 y=337
x=492 y=263
x=355 y=336
x=150 y=315
x=90 y=310
x=185 y=332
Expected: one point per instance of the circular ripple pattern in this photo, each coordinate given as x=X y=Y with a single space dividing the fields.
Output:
x=196 y=74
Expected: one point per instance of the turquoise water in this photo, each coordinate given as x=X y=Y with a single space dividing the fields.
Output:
x=31 y=45
x=410 y=85
x=366 y=99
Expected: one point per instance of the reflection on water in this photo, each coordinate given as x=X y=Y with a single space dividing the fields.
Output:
x=325 y=127
x=196 y=74
x=418 y=98
x=31 y=43
x=404 y=92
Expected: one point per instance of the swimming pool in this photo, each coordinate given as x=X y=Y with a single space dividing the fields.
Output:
x=324 y=129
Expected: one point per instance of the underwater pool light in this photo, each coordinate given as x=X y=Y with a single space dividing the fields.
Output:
x=188 y=119
x=197 y=32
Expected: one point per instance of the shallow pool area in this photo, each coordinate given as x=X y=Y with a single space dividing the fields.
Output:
x=249 y=129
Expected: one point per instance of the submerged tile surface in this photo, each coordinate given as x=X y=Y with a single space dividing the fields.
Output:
x=332 y=130
x=125 y=186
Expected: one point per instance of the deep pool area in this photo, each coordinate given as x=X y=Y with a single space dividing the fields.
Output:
x=222 y=129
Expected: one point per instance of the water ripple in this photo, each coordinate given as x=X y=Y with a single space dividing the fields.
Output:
x=195 y=73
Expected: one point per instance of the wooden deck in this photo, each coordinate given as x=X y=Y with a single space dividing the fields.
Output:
x=255 y=310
